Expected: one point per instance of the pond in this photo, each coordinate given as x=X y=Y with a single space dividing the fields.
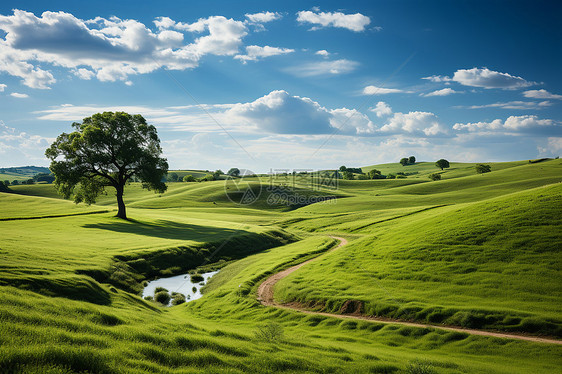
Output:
x=180 y=284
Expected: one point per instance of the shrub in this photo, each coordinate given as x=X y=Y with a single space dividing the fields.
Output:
x=178 y=299
x=162 y=297
x=189 y=178
x=149 y=298
x=481 y=168
x=435 y=177
x=159 y=289
x=196 y=278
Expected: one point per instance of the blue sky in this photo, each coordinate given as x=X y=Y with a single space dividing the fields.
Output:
x=288 y=85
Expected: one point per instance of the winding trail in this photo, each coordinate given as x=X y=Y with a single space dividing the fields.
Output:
x=265 y=297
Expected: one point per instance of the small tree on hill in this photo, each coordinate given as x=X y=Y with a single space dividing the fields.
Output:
x=411 y=160
x=6 y=182
x=442 y=163
x=4 y=187
x=189 y=178
x=348 y=175
x=343 y=168
x=404 y=161
x=106 y=150
x=435 y=177
x=173 y=177
x=481 y=168
x=234 y=172
x=374 y=174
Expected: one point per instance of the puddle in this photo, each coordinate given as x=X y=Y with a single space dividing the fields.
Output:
x=180 y=284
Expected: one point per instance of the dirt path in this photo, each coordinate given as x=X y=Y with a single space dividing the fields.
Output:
x=265 y=297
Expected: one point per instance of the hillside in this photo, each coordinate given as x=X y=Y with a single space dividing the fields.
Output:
x=480 y=251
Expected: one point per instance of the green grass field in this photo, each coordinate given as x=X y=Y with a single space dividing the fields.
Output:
x=480 y=251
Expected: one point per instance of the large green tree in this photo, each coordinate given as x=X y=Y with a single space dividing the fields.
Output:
x=106 y=150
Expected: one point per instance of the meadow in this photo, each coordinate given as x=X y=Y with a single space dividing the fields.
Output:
x=480 y=251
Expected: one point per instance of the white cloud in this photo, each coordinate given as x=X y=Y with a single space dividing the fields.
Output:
x=382 y=109
x=322 y=53
x=2 y=87
x=486 y=78
x=374 y=90
x=263 y=17
x=254 y=52
x=354 y=22
x=351 y=121
x=17 y=148
x=19 y=95
x=553 y=147
x=280 y=113
x=442 y=92
x=514 y=105
x=541 y=94
x=84 y=74
x=335 y=67
x=415 y=123
x=438 y=78
x=512 y=124
x=112 y=49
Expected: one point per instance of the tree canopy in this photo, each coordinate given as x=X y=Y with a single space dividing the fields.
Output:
x=107 y=150
x=234 y=172
x=481 y=168
x=442 y=163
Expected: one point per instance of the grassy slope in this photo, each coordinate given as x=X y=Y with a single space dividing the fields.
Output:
x=485 y=264
x=121 y=333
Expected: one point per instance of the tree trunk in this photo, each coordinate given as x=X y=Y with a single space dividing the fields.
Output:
x=120 y=203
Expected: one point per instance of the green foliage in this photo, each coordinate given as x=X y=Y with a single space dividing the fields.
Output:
x=234 y=172
x=342 y=168
x=481 y=168
x=435 y=177
x=442 y=163
x=178 y=298
x=404 y=161
x=189 y=178
x=107 y=149
x=411 y=160
x=4 y=187
x=348 y=175
x=163 y=297
x=196 y=278
x=173 y=177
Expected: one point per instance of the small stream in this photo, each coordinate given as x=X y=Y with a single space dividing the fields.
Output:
x=179 y=283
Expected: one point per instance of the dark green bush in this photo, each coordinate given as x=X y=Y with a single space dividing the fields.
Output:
x=162 y=297
x=196 y=278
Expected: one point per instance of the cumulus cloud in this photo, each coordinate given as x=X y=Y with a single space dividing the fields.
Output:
x=2 y=87
x=553 y=146
x=442 y=92
x=263 y=17
x=322 y=53
x=375 y=90
x=415 y=123
x=254 y=52
x=334 y=67
x=280 y=113
x=382 y=109
x=19 y=95
x=487 y=78
x=354 y=22
x=512 y=124
x=541 y=94
x=112 y=49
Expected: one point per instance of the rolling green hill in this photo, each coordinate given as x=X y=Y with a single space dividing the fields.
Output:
x=480 y=251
